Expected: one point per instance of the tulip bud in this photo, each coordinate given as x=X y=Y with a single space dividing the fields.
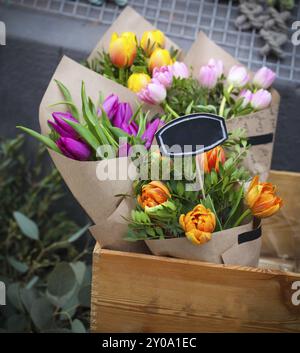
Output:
x=213 y=158
x=61 y=127
x=122 y=49
x=180 y=70
x=123 y=115
x=261 y=199
x=150 y=131
x=154 y=93
x=153 y=194
x=261 y=99
x=264 y=78
x=218 y=65
x=208 y=76
x=152 y=40
x=138 y=81
x=246 y=94
x=163 y=75
x=198 y=224
x=238 y=76
x=73 y=148
x=110 y=105
x=160 y=57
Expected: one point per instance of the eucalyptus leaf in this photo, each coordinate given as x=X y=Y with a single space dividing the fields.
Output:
x=27 y=226
x=17 y=265
x=42 y=313
x=79 y=269
x=84 y=296
x=78 y=327
x=78 y=234
x=62 y=280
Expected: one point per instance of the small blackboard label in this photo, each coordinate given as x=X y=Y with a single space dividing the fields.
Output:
x=193 y=133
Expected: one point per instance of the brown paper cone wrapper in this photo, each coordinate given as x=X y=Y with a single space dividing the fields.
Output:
x=97 y=197
x=223 y=248
x=110 y=232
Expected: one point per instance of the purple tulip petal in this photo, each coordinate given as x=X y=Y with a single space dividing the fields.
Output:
x=110 y=105
x=74 y=149
x=150 y=131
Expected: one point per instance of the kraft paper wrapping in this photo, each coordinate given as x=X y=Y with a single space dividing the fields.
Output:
x=96 y=196
x=223 y=248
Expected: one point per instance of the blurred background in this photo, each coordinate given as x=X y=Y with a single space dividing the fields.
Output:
x=43 y=229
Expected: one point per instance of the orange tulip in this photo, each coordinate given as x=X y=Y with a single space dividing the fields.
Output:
x=261 y=199
x=153 y=194
x=198 y=224
x=213 y=158
x=160 y=57
x=152 y=40
x=122 y=49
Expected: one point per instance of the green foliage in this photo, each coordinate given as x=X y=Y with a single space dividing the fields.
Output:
x=44 y=272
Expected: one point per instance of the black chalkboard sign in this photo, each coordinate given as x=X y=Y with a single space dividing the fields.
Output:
x=200 y=132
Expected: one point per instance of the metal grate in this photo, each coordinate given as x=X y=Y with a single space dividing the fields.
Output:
x=182 y=20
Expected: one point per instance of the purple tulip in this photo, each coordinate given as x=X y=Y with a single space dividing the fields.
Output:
x=180 y=70
x=73 y=148
x=153 y=93
x=246 y=94
x=264 y=78
x=61 y=127
x=110 y=105
x=150 y=131
x=122 y=115
x=208 y=76
x=163 y=75
x=218 y=65
x=238 y=76
x=261 y=99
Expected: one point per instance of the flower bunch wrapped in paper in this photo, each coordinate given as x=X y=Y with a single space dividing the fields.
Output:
x=207 y=79
x=218 y=223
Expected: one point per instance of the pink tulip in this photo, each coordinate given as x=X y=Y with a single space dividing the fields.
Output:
x=153 y=93
x=218 y=64
x=208 y=76
x=238 y=76
x=264 y=78
x=164 y=75
x=180 y=70
x=261 y=99
x=246 y=94
x=74 y=149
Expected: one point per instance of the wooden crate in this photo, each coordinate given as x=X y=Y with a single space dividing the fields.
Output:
x=144 y=293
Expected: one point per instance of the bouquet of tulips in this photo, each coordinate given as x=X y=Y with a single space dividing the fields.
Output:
x=218 y=223
x=206 y=79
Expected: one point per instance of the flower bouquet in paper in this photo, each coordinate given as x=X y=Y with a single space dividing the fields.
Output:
x=207 y=79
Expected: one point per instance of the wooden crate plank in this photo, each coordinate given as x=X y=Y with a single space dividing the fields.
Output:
x=142 y=293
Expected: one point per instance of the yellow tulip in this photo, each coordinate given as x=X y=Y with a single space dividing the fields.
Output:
x=160 y=57
x=198 y=224
x=152 y=40
x=153 y=194
x=261 y=199
x=122 y=49
x=138 y=81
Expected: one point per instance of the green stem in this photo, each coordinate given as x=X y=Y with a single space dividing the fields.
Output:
x=222 y=106
x=170 y=110
x=242 y=217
